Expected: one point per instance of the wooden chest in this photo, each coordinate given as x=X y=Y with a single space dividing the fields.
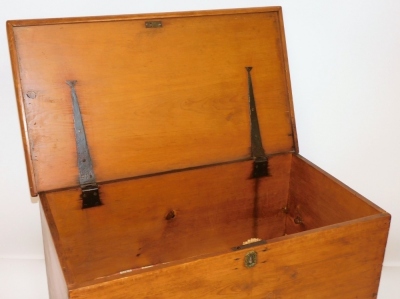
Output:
x=164 y=151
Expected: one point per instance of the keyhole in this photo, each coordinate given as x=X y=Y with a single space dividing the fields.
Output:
x=250 y=260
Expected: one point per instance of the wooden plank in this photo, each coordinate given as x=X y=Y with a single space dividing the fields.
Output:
x=55 y=277
x=165 y=218
x=340 y=261
x=288 y=84
x=114 y=18
x=318 y=199
x=152 y=100
x=21 y=109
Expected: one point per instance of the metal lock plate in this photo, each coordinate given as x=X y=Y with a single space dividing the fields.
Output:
x=250 y=259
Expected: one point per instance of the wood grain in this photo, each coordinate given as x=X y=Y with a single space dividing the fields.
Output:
x=213 y=209
x=147 y=16
x=167 y=121
x=55 y=277
x=318 y=199
x=134 y=245
x=152 y=100
x=21 y=109
x=341 y=261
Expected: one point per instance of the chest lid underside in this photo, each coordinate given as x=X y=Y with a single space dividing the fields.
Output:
x=156 y=92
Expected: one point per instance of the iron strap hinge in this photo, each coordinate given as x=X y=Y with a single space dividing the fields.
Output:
x=90 y=191
x=260 y=164
x=90 y=196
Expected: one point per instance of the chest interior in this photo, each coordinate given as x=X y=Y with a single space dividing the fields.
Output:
x=171 y=218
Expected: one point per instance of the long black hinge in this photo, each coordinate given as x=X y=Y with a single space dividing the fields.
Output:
x=90 y=191
x=260 y=164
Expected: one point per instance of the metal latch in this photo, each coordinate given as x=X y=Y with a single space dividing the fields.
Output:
x=153 y=24
x=90 y=196
x=251 y=243
x=260 y=164
x=90 y=192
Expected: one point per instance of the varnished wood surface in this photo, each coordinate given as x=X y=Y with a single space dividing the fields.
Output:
x=339 y=262
x=113 y=18
x=215 y=209
x=152 y=99
x=21 y=109
x=318 y=199
x=56 y=281
x=156 y=100
x=133 y=248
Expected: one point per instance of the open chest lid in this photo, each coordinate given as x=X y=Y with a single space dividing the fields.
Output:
x=157 y=92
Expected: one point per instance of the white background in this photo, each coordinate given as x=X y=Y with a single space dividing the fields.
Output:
x=344 y=59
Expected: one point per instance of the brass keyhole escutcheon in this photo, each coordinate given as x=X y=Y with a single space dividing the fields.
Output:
x=250 y=259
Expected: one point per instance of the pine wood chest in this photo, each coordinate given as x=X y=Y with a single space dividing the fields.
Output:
x=164 y=151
